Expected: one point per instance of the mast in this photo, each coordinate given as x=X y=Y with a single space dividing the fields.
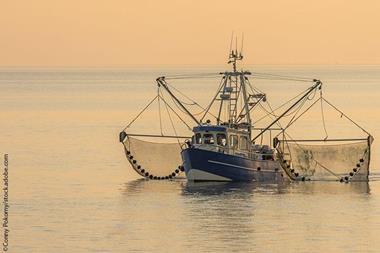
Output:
x=232 y=91
x=246 y=108
x=221 y=102
x=237 y=87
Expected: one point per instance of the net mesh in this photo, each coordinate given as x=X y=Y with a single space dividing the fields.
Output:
x=344 y=162
x=154 y=160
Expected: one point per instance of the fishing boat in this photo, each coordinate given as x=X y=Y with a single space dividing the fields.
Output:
x=231 y=147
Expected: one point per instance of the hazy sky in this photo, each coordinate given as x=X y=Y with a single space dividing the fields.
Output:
x=124 y=32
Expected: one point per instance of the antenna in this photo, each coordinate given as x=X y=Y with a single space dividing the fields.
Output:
x=232 y=37
x=242 y=43
x=235 y=55
x=236 y=51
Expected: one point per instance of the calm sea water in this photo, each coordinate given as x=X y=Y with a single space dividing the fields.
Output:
x=72 y=190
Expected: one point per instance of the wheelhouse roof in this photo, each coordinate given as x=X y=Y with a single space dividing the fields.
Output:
x=209 y=128
x=217 y=128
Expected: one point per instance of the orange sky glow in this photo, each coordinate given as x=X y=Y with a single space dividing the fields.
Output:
x=119 y=33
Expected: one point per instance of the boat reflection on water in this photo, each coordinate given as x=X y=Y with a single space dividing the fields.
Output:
x=326 y=187
x=141 y=186
x=245 y=217
x=189 y=188
x=220 y=188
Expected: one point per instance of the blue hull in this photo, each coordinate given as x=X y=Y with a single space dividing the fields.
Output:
x=205 y=165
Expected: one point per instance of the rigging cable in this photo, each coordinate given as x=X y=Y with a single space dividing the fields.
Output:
x=270 y=107
x=323 y=115
x=179 y=108
x=278 y=123
x=141 y=112
x=159 y=108
x=192 y=100
x=297 y=111
x=171 y=121
x=279 y=107
x=302 y=100
x=291 y=112
x=291 y=123
x=281 y=77
x=179 y=117
x=222 y=82
x=347 y=117
x=184 y=76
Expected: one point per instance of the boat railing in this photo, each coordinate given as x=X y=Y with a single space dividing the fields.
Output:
x=251 y=154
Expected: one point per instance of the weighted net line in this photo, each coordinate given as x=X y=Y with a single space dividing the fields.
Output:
x=349 y=161
x=154 y=164
x=154 y=160
x=294 y=175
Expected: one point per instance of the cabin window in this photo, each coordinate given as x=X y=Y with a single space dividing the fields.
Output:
x=233 y=141
x=243 y=142
x=208 y=138
x=198 y=138
x=221 y=139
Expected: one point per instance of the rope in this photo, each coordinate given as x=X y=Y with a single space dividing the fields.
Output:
x=195 y=114
x=222 y=81
x=258 y=75
x=281 y=77
x=138 y=115
x=171 y=121
x=307 y=109
x=297 y=111
x=356 y=170
x=346 y=117
x=272 y=112
x=312 y=96
x=177 y=77
x=159 y=108
x=279 y=107
x=192 y=100
x=323 y=115
x=142 y=171
x=278 y=122
x=166 y=104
